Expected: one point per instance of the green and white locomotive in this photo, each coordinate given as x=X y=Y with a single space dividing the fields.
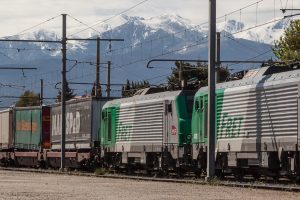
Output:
x=148 y=130
x=257 y=124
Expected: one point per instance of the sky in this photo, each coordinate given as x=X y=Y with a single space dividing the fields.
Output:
x=18 y=15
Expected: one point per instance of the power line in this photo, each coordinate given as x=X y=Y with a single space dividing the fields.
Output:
x=103 y=21
x=25 y=97
x=256 y=26
x=167 y=53
x=27 y=29
x=181 y=31
x=195 y=44
x=241 y=44
x=250 y=59
x=79 y=21
x=27 y=49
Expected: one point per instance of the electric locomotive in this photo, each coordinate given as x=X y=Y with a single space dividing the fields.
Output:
x=149 y=131
x=257 y=124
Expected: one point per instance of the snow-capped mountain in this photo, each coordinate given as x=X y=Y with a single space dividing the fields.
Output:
x=166 y=36
x=263 y=34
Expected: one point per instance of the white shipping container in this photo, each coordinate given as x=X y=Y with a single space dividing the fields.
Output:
x=6 y=140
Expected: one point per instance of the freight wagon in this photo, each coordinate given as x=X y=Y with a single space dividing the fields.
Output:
x=82 y=132
x=6 y=136
x=257 y=124
x=23 y=136
x=148 y=130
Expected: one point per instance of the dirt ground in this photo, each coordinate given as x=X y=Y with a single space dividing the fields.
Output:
x=32 y=186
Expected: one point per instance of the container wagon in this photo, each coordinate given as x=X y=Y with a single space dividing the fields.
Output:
x=6 y=136
x=82 y=132
x=24 y=133
x=31 y=127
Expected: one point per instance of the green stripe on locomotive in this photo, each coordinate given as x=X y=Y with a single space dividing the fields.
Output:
x=184 y=120
x=121 y=131
x=27 y=128
x=110 y=124
x=200 y=115
x=226 y=125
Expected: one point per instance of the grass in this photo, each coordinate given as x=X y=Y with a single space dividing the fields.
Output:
x=100 y=171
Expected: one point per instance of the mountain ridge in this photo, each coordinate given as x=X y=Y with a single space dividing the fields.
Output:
x=165 y=36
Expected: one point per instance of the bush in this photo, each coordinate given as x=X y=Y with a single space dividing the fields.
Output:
x=100 y=171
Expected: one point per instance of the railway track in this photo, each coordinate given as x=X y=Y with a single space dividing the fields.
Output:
x=228 y=183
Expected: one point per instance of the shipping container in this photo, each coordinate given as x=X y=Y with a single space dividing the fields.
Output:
x=82 y=123
x=46 y=124
x=6 y=133
x=27 y=128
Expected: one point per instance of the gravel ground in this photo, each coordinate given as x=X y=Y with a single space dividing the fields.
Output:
x=32 y=186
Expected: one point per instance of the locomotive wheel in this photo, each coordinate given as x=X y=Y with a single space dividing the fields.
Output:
x=220 y=174
x=198 y=173
x=179 y=172
x=239 y=174
x=256 y=175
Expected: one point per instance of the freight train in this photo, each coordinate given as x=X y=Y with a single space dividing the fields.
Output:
x=257 y=126
x=31 y=136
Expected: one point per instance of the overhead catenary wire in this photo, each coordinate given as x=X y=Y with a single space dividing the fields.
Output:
x=163 y=53
x=32 y=27
x=184 y=30
x=81 y=22
x=30 y=49
x=252 y=58
x=169 y=52
x=241 y=44
x=225 y=15
x=108 y=19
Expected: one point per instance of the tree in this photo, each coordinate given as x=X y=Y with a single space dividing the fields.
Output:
x=195 y=75
x=69 y=94
x=287 y=48
x=28 y=98
x=130 y=89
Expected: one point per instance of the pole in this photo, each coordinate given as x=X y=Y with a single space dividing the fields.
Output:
x=97 y=69
x=108 y=80
x=42 y=92
x=211 y=90
x=181 y=75
x=218 y=57
x=63 y=90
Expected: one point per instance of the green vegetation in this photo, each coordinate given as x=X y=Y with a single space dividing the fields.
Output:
x=28 y=98
x=195 y=75
x=100 y=171
x=69 y=94
x=287 y=48
x=130 y=88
